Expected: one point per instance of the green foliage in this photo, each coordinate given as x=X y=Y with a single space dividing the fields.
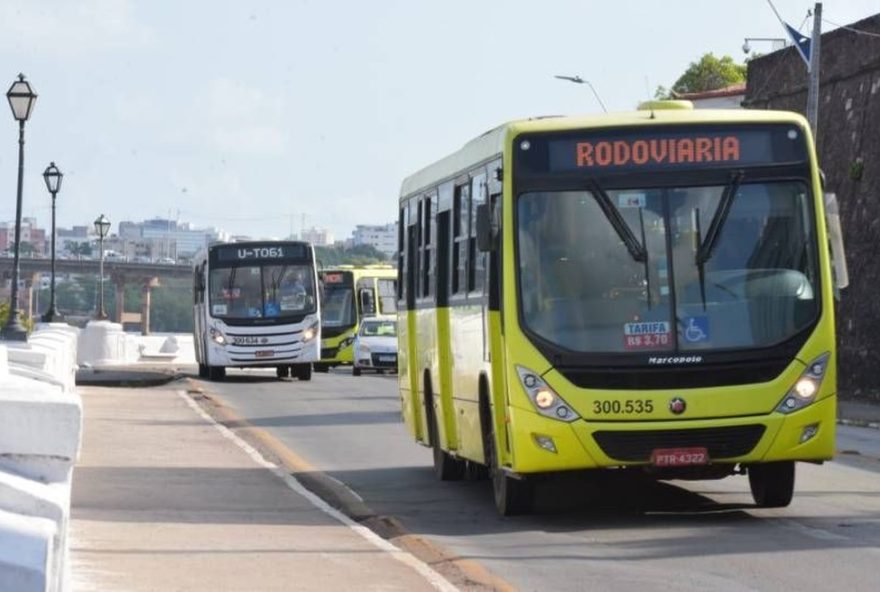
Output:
x=171 y=309
x=857 y=169
x=357 y=255
x=170 y=305
x=80 y=249
x=27 y=321
x=710 y=73
x=27 y=249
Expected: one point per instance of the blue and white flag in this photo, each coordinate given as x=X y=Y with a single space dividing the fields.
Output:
x=801 y=43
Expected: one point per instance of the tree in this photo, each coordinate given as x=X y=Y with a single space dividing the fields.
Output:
x=80 y=249
x=710 y=73
x=27 y=249
x=356 y=255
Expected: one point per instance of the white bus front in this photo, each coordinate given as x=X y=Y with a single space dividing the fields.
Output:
x=260 y=309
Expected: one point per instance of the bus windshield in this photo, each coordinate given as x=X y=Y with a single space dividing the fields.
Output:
x=338 y=305
x=261 y=291
x=715 y=267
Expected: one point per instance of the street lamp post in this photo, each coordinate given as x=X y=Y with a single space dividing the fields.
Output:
x=579 y=80
x=53 y=177
x=21 y=99
x=102 y=227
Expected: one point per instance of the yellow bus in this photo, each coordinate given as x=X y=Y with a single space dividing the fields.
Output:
x=646 y=291
x=349 y=293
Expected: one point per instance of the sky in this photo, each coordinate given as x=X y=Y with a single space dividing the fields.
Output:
x=257 y=117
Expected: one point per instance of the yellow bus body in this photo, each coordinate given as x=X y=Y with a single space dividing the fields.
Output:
x=337 y=349
x=451 y=354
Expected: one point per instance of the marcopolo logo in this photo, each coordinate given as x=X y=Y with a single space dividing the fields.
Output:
x=661 y=360
x=677 y=405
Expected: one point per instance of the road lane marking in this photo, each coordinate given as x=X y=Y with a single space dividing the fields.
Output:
x=434 y=578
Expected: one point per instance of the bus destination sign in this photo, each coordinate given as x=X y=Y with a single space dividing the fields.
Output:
x=230 y=253
x=663 y=149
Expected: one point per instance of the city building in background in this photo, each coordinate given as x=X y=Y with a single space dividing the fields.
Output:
x=161 y=238
x=33 y=238
x=320 y=237
x=383 y=237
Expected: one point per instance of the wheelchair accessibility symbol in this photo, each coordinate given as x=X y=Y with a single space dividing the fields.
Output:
x=696 y=329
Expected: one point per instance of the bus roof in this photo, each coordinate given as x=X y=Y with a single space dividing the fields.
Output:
x=491 y=144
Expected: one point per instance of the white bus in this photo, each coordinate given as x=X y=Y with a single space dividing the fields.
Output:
x=256 y=305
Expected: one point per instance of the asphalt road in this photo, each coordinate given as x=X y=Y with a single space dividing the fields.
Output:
x=589 y=533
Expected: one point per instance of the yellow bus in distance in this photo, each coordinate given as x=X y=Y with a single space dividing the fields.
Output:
x=349 y=294
x=648 y=291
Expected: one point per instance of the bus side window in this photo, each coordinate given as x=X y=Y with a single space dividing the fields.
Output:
x=476 y=259
x=401 y=254
x=460 y=234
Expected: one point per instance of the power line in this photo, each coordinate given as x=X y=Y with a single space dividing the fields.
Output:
x=852 y=29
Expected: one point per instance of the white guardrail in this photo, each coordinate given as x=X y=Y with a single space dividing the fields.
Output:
x=40 y=433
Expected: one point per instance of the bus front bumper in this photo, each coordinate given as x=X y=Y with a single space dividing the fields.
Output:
x=548 y=445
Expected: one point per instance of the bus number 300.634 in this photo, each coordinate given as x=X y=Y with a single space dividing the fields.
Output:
x=628 y=406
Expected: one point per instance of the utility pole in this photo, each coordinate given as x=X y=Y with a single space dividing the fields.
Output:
x=813 y=87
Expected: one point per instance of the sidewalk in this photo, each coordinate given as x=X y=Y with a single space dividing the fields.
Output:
x=162 y=501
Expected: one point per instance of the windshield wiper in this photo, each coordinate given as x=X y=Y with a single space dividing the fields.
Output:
x=636 y=249
x=704 y=253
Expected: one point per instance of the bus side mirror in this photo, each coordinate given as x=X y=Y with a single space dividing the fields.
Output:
x=486 y=233
x=835 y=241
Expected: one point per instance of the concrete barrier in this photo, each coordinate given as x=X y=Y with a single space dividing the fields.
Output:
x=102 y=344
x=40 y=435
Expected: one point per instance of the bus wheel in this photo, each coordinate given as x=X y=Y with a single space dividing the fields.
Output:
x=302 y=371
x=446 y=466
x=355 y=371
x=203 y=371
x=321 y=368
x=512 y=496
x=772 y=484
x=282 y=371
x=216 y=373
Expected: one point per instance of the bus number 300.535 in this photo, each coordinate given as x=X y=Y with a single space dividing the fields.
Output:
x=628 y=406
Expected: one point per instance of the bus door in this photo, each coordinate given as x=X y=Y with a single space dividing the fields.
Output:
x=447 y=417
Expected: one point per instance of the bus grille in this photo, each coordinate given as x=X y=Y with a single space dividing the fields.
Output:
x=723 y=442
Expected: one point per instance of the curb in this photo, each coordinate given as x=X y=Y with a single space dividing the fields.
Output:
x=126 y=379
x=860 y=423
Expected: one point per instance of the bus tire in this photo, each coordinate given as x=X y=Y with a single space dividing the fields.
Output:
x=302 y=371
x=355 y=371
x=321 y=368
x=512 y=496
x=203 y=371
x=446 y=466
x=772 y=484
x=282 y=371
x=216 y=373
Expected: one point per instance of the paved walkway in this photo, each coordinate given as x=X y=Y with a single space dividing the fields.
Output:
x=163 y=501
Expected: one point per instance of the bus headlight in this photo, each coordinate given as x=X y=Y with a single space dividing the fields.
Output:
x=545 y=400
x=310 y=331
x=217 y=336
x=807 y=386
